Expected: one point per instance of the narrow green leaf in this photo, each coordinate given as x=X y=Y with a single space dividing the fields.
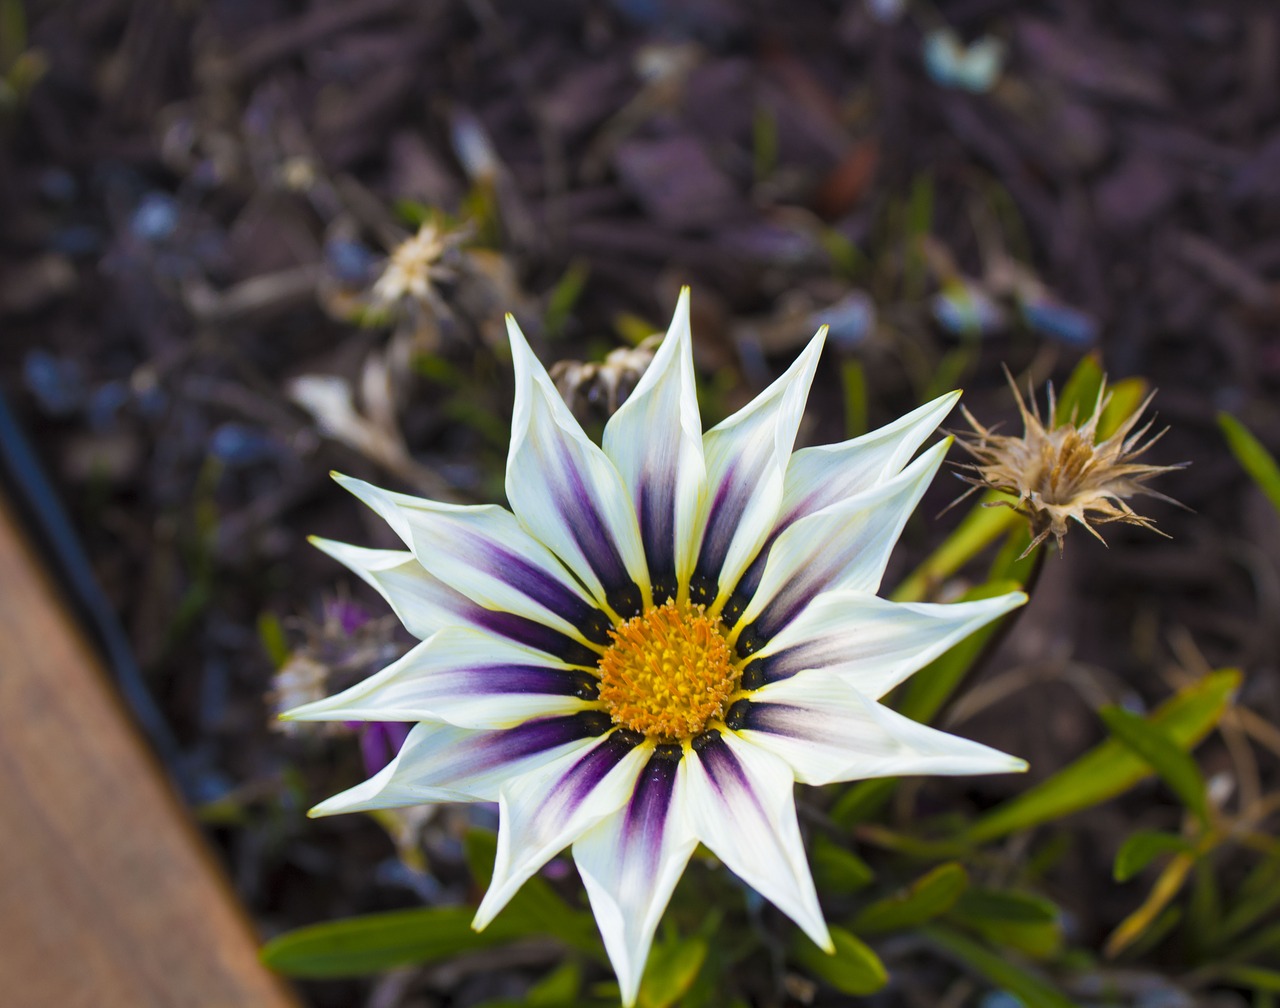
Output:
x=852 y=969
x=271 y=634
x=1257 y=896
x=997 y=969
x=1255 y=978
x=1005 y=905
x=836 y=869
x=862 y=800
x=854 y=380
x=1256 y=460
x=983 y=525
x=1142 y=848
x=372 y=943
x=932 y=894
x=1122 y=399
x=1080 y=393
x=1154 y=745
x=564 y=296
x=559 y=987
x=1110 y=769
x=672 y=968
x=1008 y=918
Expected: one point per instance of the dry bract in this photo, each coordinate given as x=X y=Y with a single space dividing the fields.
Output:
x=1059 y=472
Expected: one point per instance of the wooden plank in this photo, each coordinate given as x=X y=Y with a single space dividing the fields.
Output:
x=108 y=895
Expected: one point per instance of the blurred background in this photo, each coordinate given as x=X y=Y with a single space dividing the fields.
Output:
x=243 y=244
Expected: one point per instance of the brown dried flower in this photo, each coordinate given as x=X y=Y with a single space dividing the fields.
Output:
x=1059 y=472
x=603 y=387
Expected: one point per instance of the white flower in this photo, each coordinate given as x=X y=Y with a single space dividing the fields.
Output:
x=659 y=639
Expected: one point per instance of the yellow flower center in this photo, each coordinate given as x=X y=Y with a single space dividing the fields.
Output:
x=668 y=672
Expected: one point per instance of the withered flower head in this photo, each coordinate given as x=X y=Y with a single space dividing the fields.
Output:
x=1059 y=472
x=414 y=266
x=603 y=387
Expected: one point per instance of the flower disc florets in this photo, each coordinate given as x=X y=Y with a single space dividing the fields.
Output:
x=668 y=673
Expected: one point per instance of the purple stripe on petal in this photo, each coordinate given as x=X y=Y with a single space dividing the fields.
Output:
x=656 y=510
x=645 y=819
x=487 y=750
x=722 y=522
x=589 y=530
x=725 y=773
x=585 y=775
x=813 y=726
x=525 y=679
x=533 y=634
x=544 y=588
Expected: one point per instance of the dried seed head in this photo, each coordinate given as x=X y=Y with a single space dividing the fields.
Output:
x=601 y=388
x=415 y=265
x=1059 y=472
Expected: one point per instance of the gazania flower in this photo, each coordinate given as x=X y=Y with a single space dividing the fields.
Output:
x=660 y=638
x=1060 y=473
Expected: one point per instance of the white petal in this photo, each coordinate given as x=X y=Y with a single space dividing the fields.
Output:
x=741 y=804
x=484 y=553
x=871 y=643
x=422 y=603
x=426 y=604
x=821 y=476
x=746 y=459
x=655 y=440
x=442 y=763
x=567 y=493
x=826 y=732
x=630 y=864
x=465 y=677
x=543 y=811
x=846 y=545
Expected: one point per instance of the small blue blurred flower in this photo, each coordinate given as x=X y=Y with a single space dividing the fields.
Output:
x=851 y=319
x=952 y=64
x=1060 y=321
x=965 y=309
x=57 y=383
x=155 y=218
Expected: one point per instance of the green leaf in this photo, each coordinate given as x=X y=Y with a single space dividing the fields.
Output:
x=271 y=634
x=1080 y=393
x=1256 y=460
x=1123 y=398
x=1257 y=896
x=852 y=969
x=854 y=380
x=1156 y=747
x=372 y=943
x=1005 y=905
x=1110 y=769
x=863 y=800
x=672 y=969
x=1141 y=849
x=559 y=987
x=932 y=894
x=837 y=870
x=997 y=969
x=1255 y=978
x=564 y=296
x=1007 y=918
